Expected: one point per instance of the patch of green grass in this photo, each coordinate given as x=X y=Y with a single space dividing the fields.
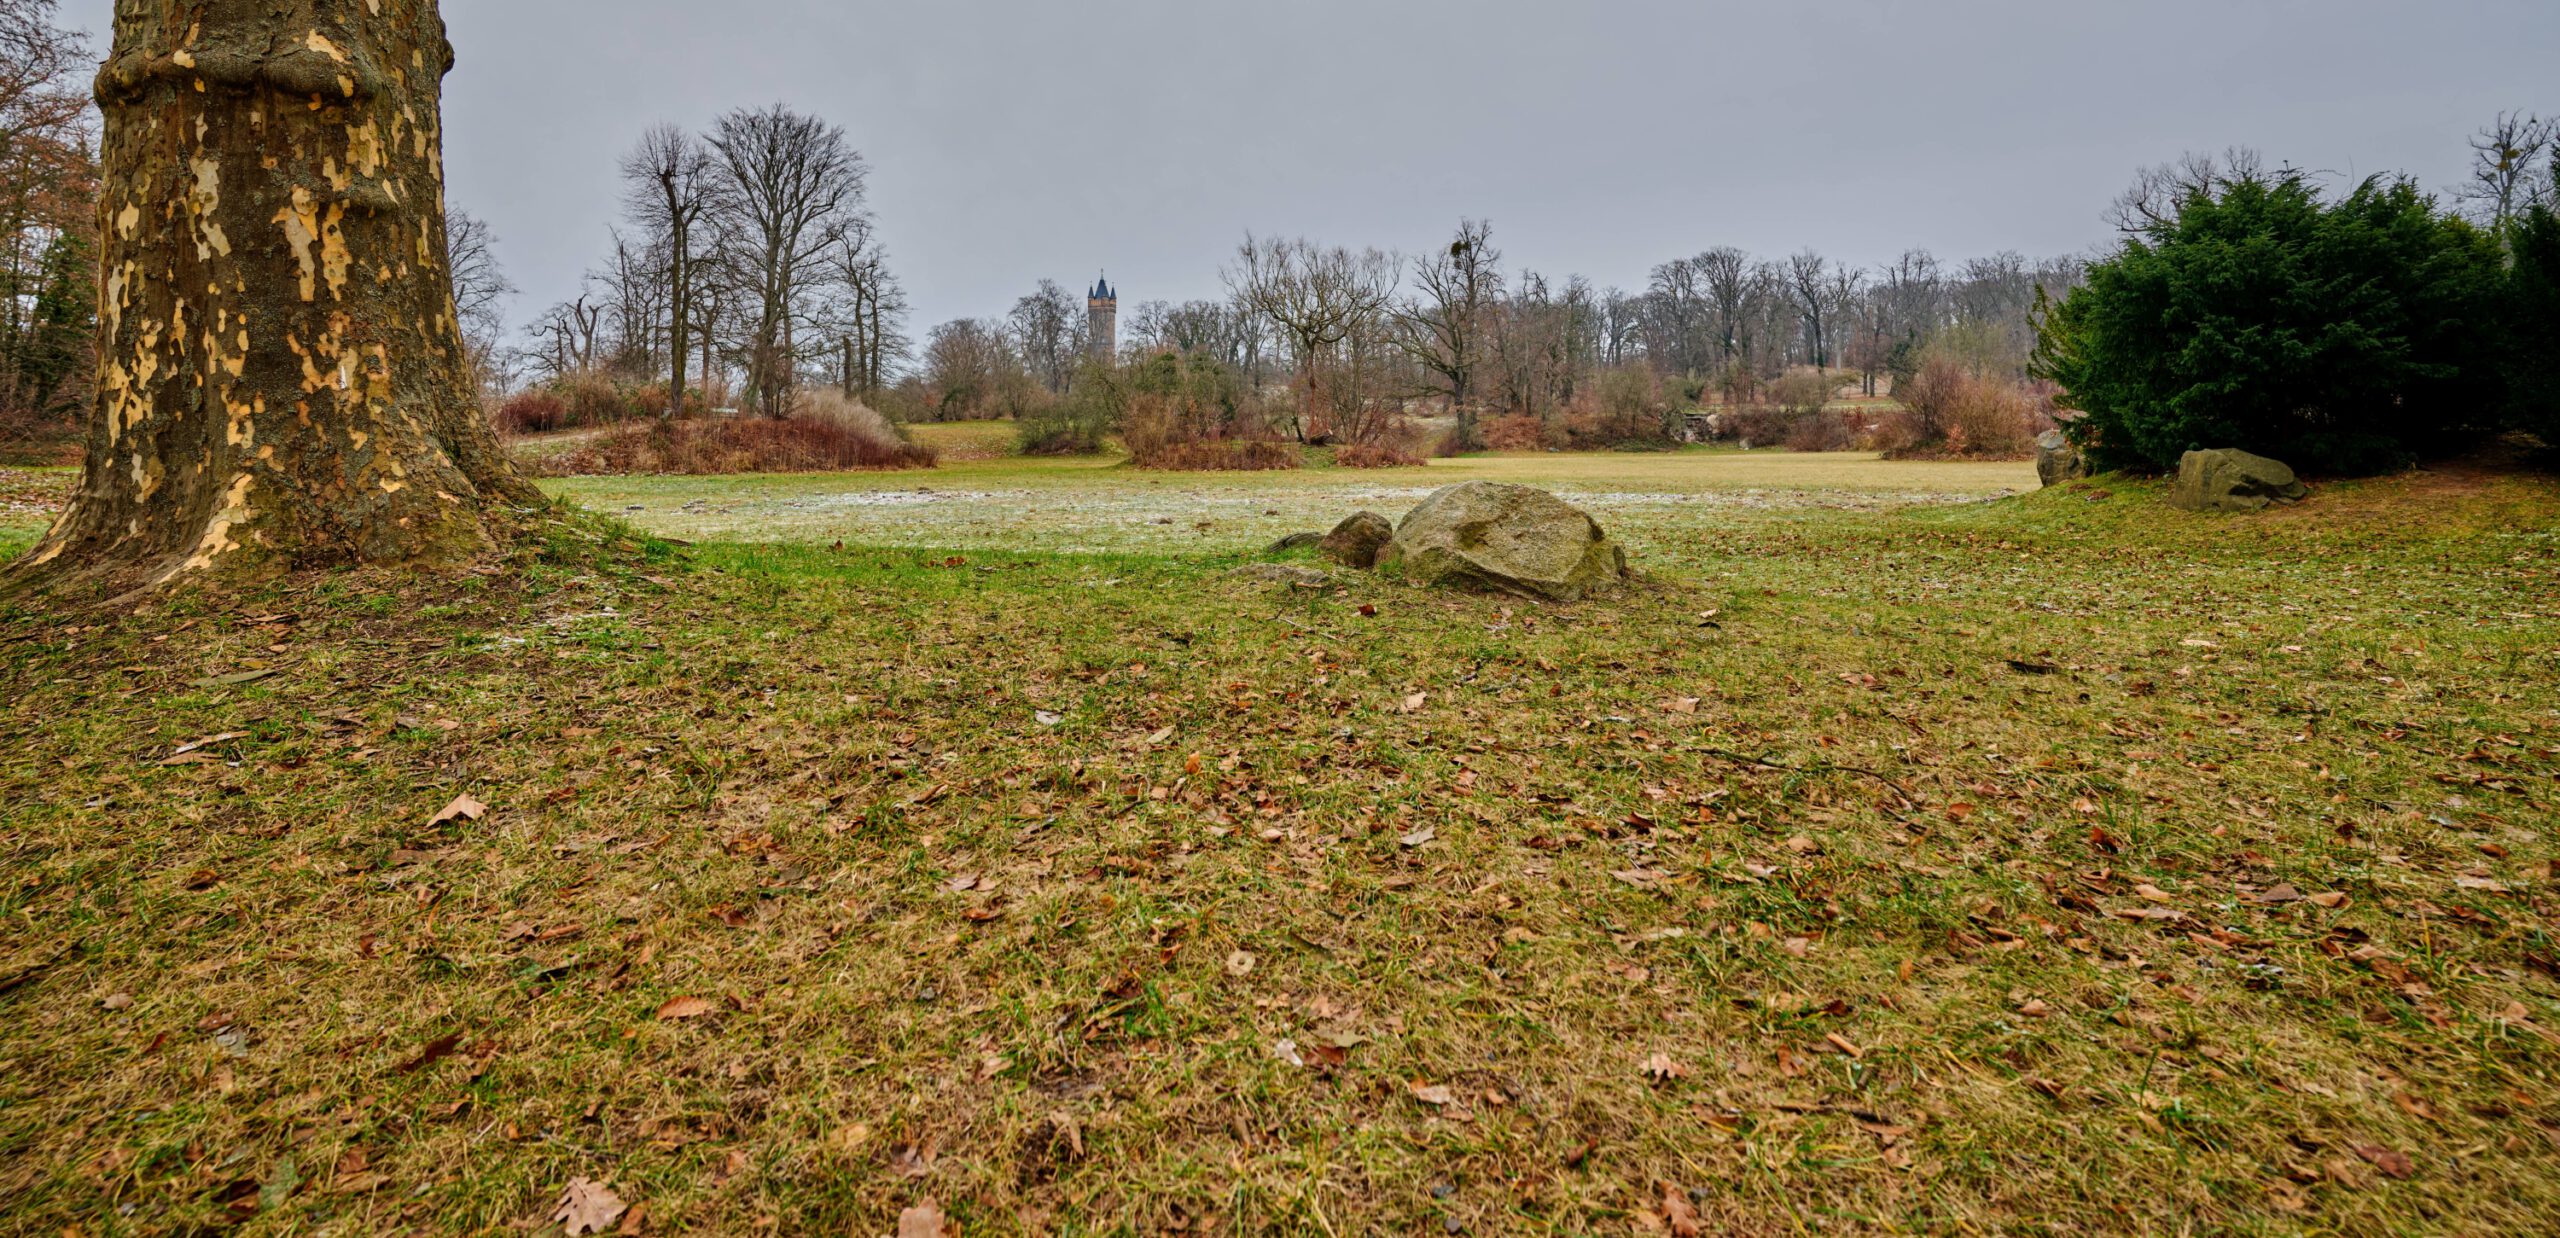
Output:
x=2060 y=862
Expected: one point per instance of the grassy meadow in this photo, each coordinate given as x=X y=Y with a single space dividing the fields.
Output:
x=1912 y=851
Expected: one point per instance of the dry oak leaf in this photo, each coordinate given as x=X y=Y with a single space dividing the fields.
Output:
x=1661 y=1069
x=684 y=1008
x=463 y=808
x=1432 y=1094
x=1680 y=1217
x=925 y=1220
x=2395 y=1164
x=588 y=1207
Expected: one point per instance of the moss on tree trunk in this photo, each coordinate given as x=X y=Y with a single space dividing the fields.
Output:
x=281 y=372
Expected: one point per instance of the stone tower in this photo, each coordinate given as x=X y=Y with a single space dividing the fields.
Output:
x=1102 y=321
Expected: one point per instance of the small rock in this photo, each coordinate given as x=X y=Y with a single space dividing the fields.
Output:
x=1357 y=541
x=1295 y=541
x=2057 y=461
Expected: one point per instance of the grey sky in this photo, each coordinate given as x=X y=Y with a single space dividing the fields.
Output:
x=1012 y=141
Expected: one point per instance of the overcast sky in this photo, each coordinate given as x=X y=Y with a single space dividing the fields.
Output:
x=1014 y=140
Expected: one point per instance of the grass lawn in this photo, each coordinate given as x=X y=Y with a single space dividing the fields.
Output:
x=1896 y=860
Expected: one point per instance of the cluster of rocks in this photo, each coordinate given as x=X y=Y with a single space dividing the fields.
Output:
x=2219 y=480
x=1477 y=535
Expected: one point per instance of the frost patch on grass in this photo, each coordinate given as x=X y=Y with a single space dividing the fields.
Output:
x=896 y=498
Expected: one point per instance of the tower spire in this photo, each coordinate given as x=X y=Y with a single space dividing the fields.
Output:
x=1102 y=319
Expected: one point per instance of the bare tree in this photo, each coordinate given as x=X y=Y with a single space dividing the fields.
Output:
x=48 y=213
x=1046 y=328
x=2509 y=162
x=876 y=311
x=1316 y=296
x=1808 y=280
x=1444 y=328
x=337 y=423
x=2157 y=192
x=1680 y=313
x=788 y=187
x=668 y=184
x=637 y=290
x=1728 y=274
x=480 y=290
x=971 y=369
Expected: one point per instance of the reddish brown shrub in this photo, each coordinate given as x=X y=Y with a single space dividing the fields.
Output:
x=1217 y=455
x=1517 y=432
x=1822 y=432
x=651 y=400
x=1757 y=425
x=738 y=445
x=531 y=412
x=1956 y=412
x=1174 y=432
x=1375 y=456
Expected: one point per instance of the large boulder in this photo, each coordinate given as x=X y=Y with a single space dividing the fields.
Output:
x=1357 y=541
x=2057 y=461
x=2226 y=480
x=1508 y=539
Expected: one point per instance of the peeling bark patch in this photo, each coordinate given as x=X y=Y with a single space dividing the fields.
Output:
x=217 y=540
x=308 y=224
x=202 y=203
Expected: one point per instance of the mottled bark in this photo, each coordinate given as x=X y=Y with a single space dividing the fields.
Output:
x=282 y=378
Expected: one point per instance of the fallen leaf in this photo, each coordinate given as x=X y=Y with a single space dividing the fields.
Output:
x=1661 y=1069
x=436 y=1049
x=2284 y=893
x=909 y=1160
x=1239 y=964
x=1432 y=1094
x=684 y=1008
x=1045 y=718
x=463 y=808
x=1420 y=836
x=2394 y=1164
x=925 y=1220
x=588 y=1207
x=2035 y=1008
x=2332 y=901
x=1287 y=1051
x=1413 y=704
x=1678 y=1215
x=963 y=883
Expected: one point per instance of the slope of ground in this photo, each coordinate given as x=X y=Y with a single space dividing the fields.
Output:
x=2059 y=863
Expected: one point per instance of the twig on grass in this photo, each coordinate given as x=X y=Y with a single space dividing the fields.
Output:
x=1825 y=767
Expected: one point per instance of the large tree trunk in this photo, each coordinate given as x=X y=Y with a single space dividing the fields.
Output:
x=282 y=380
